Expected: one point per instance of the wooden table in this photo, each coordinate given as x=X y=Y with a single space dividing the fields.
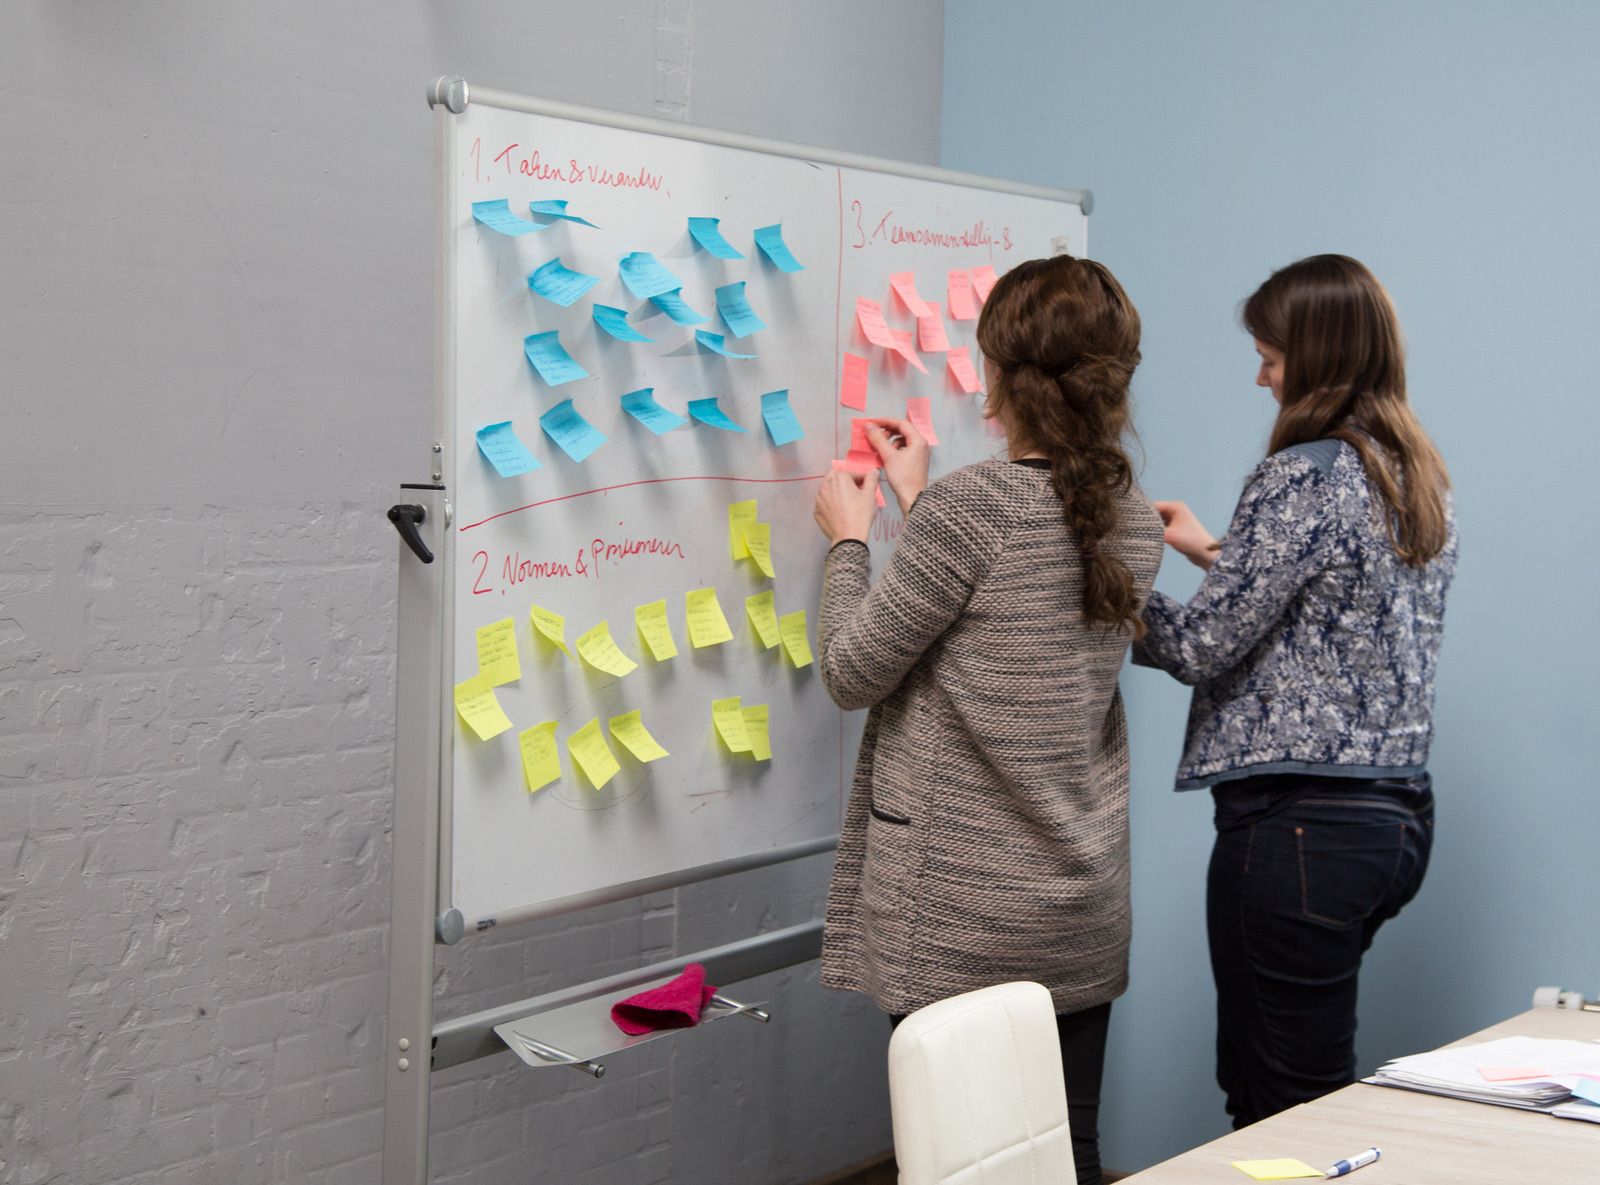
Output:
x=1426 y=1140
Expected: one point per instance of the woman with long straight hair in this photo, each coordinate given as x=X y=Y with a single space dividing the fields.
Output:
x=986 y=836
x=1312 y=644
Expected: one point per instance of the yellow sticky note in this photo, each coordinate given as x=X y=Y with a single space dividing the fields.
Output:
x=479 y=709
x=755 y=728
x=792 y=628
x=707 y=625
x=594 y=757
x=740 y=516
x=635 y=737
x=599 y=650
x=497 y=652
x=758 y=540
x=1282 y=1169
x=656 y=630
x=541 y=756
x=550 y=626
x=759 y=610
x=729 y=719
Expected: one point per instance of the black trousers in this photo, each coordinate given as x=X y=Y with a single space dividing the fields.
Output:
x=1083 y=1060
x=1304 y=872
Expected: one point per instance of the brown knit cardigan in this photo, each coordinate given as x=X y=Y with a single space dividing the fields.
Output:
x=986 y=836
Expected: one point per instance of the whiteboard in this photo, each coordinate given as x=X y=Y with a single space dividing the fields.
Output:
x=645 y=516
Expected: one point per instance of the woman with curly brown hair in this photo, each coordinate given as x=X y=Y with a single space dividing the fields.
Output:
x=986 y=837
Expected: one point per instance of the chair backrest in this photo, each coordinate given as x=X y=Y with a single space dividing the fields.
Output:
x=976 y=1093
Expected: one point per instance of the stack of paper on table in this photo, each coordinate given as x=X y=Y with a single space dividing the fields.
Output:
x=1535 y=1073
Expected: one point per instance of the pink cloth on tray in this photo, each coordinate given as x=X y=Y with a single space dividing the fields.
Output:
x=676 y=1004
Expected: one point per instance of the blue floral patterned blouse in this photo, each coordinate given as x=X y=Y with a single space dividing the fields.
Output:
x=1310 y=644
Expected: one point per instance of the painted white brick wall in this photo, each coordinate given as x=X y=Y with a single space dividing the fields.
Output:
x=213 y=376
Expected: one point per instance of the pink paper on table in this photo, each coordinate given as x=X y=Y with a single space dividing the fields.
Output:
x=853 y=390
x=870 y=314
x=849 y=468
x=963 y=301
x=905 y=287
x=931 y=337
x=1511 y=1073
x=961 y=369
x=984 y=280
x=919 y=410
x=903 y=347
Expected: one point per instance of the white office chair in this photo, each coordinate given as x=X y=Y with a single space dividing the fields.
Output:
x=976 y=1093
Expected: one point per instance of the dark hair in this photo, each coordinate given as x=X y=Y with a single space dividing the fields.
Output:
x=1064 y=338
x=1344 y=378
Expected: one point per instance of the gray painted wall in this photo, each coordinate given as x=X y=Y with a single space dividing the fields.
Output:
x=215 y=370
x=1450 y=147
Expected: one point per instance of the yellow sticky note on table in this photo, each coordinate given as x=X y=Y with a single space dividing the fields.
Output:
x=599 y=650
x=728 y=716
x=707 y=625
x=479 y=709
x=552 y=627
x=594 y=757
x=758 y=540
x=541 y=756
x=740 y=516
x=755 y=729
x=656 y=630
x=635 y=737
x=497 y=652
x=759 y=610
x=792 y=629
x=1283 y=1169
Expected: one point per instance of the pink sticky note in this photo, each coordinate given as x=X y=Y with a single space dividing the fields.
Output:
x=853 y=391
x=961 y=369
x=931 y=337
x=902 y=346
x=919 y=410
x=984 y=279
x=861 y=455
x=963 y=301
x=845 y=465
x=905 y=287
x=1511 y=1073
x=870 y=314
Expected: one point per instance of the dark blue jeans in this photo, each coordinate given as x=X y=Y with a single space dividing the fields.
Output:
x=1304 y=871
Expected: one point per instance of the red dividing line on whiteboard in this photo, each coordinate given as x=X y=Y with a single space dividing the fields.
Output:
x=649 y=481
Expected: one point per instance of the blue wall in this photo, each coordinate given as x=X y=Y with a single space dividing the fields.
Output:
x=1452 y=147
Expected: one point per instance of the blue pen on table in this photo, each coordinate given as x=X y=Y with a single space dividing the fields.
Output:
x=1360 y=1160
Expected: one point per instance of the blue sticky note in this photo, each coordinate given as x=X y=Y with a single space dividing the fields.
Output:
x=770 y=240
x=550 y=359
x=576 y=436
x=780 y=418
x=705 y=233
x=501 y=448
x=557 y=282
x=642 y=406
x=497 y=215
x=557 y=208
x=736 y=311
x=645 y=277
x=1588 y=1089
x=672 y=304
x=615 y=322
x=707 y=412
x=716 y=343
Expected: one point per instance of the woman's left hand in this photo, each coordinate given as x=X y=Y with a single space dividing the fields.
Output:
x=846 y=505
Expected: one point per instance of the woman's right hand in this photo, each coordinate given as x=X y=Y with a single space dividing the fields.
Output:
x=904 y=454
x=1186 y=534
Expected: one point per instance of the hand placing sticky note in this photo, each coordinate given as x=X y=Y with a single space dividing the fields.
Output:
x=707 y=625
x=550 y=626
x=782 y=424
x=755 y=730
x=479 y=709
x=1282 y=1169
x=500 y=447
x=656 y=630
x=497 y=652
x=629 y=730
x=592 y=755
x=541 y=756
x=758 y=541
x=792 y=629
x=728 y=716
x=758 y=608
x=740 y=516
x=599 y=649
